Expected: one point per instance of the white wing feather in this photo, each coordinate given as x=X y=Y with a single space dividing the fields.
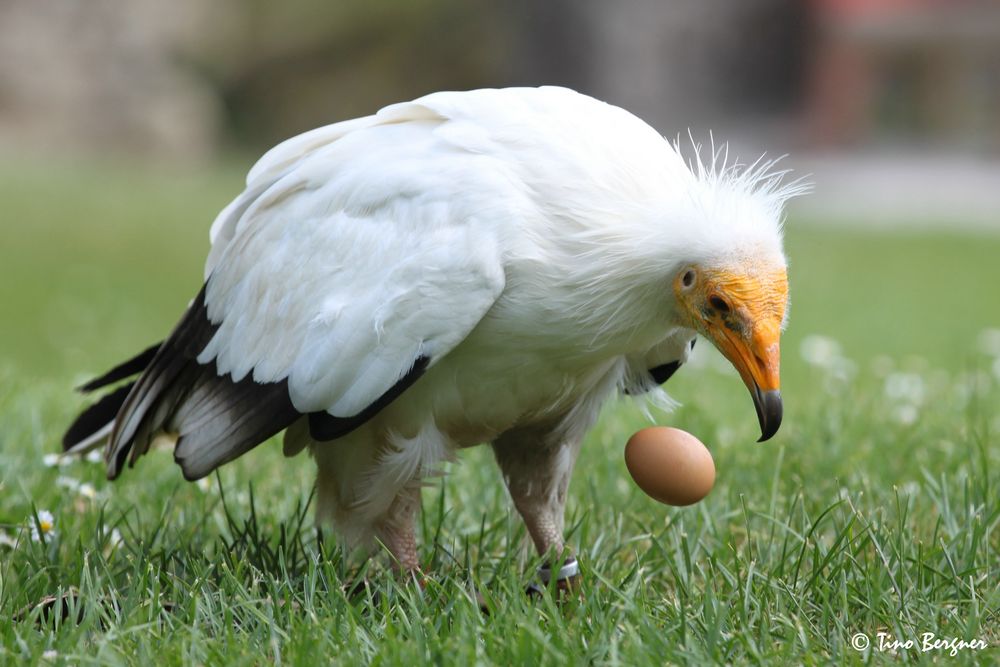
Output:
x=352 y=253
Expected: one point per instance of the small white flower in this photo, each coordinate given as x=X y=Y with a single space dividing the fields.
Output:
x=820 y=351
x=906 y=414
x=905 y=388
x=65 y=482
x=842 y=369
x=989 y=342
x=51 y=654
x=53 y=460
x=971 y=384
x=43 y=524
x=824 y=353
x=115 y=538
x=95 y=456
x=7 y=541
x=205 y=484
x=84 y=489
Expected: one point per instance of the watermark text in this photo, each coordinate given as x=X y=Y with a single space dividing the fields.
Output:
x=925 y=642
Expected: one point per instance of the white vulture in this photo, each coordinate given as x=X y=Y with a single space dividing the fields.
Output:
x=471 y=267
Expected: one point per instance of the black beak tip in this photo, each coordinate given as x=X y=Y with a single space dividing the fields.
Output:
x=769 y=412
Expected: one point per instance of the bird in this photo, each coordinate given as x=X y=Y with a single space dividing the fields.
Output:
x=477 y=267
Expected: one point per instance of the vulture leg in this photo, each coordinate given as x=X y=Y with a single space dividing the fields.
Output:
x=366 y=509
x=537 y=474
x=396 y=532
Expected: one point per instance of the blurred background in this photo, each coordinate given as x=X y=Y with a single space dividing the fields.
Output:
x=894 y=105
x=125 y=125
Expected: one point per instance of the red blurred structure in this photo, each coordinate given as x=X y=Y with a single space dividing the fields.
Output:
x=925 y=71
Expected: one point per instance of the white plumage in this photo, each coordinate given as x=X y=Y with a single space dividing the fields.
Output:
x=503 y=260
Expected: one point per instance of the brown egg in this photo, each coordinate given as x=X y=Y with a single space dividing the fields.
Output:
x=670 y=465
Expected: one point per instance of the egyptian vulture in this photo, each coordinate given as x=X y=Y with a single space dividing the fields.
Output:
x=471 y=267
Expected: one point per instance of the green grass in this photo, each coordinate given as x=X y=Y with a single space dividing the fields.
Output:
x=874 y=510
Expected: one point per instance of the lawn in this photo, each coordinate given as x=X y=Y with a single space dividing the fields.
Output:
x=874 y=510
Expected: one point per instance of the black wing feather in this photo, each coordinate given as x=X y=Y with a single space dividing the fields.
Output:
x=323 y=426
x=96 y=417
x=179 y=351
x=126 y=369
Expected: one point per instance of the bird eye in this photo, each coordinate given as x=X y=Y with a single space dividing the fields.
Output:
x=719 y=303
x=688 y=278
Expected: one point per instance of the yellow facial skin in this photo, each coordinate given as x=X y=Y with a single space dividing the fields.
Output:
x=742 y=314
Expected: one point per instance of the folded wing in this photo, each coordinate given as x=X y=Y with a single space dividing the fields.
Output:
x=333 y=283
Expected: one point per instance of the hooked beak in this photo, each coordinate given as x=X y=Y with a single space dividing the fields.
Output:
x=769 y=410
x=757 y=358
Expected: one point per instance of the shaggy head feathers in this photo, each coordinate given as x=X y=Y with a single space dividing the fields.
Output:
x=733 y=212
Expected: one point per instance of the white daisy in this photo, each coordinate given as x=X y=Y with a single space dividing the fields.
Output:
x=43 y=524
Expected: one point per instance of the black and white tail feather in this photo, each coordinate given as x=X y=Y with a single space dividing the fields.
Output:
x=213 y=419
